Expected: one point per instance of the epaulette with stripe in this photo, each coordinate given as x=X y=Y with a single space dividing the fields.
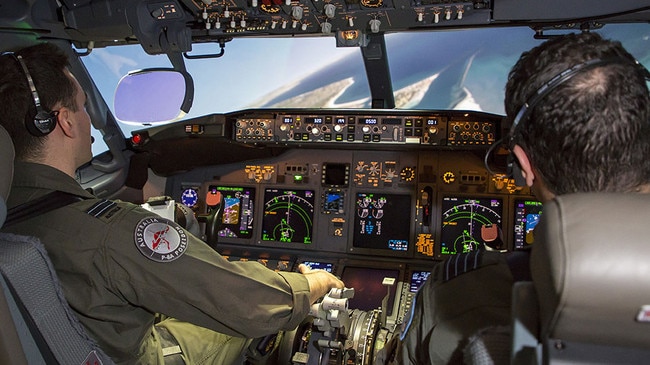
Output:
x=103 y=209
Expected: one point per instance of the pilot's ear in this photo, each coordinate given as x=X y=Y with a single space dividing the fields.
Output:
x=64 y=121
x=524 y=163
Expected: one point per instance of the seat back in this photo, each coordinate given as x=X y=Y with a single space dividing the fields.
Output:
x=10 y=345
x=591 y=275
x=38 y=326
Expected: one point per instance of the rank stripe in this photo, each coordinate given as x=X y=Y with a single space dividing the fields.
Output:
x=99 y=208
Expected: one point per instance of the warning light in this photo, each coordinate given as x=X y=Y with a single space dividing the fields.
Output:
x=138 y=139
x=297 y=178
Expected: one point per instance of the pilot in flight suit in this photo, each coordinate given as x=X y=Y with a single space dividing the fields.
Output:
x=463 y=295
x=119 y=265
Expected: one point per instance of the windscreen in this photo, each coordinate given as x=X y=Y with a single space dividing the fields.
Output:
x=464 y=69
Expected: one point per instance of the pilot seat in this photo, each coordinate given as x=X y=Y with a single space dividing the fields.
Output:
x=589 y=301
x=38 y=326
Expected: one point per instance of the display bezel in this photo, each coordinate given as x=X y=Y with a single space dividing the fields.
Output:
x=223 y=188
x=360 y=294
x=514 y=221
x=409 y=225
x=267 y=196
x=504 y=202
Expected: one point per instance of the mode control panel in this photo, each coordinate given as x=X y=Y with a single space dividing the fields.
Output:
x=423 y=128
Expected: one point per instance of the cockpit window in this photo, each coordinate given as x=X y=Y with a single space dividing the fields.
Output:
x=459 y=69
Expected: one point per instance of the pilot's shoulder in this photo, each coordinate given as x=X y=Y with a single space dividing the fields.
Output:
x=114 y=211
x=464 y=263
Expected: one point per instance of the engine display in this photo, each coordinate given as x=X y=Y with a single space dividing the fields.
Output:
x=527 y=214
x=238 y=211
x=382 y=221
x=468 y=223
x=288 y=215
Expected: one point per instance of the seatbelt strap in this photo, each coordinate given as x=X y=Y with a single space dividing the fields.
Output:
x=42 y=205
x=43 y=347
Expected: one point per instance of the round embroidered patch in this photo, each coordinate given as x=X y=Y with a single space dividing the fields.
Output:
x=160 y=239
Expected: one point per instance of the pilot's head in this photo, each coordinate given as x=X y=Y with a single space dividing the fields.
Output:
x=36 y=86
x=580 y=107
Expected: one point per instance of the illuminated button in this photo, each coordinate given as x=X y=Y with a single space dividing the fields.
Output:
x=327 y=136
x=339 y=137
x=376 y=138
x=350 y=137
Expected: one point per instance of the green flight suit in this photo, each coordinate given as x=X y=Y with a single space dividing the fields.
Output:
x=119 y=265
x=464 y=294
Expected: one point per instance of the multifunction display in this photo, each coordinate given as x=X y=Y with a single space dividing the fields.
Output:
x=382 y=221
x=288 y=215
x=527 y=214
x=238 y=211
x=469 y=223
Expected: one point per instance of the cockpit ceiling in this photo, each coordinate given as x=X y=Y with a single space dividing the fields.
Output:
x=162 y=26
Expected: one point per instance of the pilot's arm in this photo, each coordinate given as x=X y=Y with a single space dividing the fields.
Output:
x=161 y=267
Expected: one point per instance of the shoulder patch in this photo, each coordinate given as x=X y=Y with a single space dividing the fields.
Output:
x=160 y=239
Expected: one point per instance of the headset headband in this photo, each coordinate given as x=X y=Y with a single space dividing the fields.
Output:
x=44 y=121
x=563 y=77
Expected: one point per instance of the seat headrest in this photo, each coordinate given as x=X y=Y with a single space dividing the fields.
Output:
x=591 y=269
x=6 y=170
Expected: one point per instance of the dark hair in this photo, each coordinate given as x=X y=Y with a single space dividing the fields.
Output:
x=592 y=132
x=46 y=64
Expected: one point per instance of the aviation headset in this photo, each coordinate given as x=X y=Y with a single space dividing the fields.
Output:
x=44 y=121
x=513 y=168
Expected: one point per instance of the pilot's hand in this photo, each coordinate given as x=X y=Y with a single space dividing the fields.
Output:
x=320 y=282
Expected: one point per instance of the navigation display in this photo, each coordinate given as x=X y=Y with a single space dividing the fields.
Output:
x=527 y=213
x=288 y=215
x=468 y=223
x=382 y=221
x=238 y=211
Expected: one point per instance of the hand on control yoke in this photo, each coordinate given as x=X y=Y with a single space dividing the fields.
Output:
x=320 y=282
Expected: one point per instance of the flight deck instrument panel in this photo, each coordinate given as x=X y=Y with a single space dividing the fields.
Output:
x=376 y=199
x=387 y=184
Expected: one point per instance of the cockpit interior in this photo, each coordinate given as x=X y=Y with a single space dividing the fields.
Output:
x=367 y=138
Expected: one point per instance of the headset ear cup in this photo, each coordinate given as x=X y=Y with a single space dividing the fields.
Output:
x=514 y=170
x=42 y=124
